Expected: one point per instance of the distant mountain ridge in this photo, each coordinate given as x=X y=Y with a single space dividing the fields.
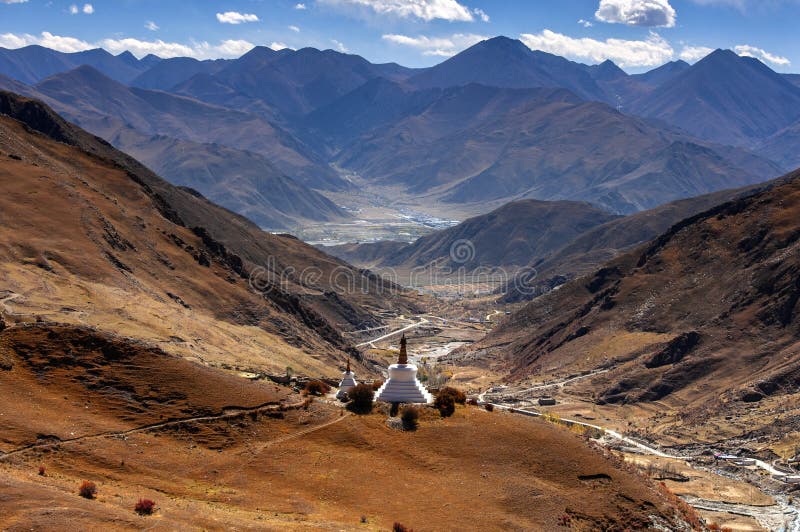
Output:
x=173 y=135
x=477 y=143
x=34 y=63
x=470 y=130
x=725 y=98
x=506 y=237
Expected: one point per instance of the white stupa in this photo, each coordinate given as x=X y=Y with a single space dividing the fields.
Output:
x=402 y=385
x=348 y=382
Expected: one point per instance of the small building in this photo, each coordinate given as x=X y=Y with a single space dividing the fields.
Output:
x=547 y=401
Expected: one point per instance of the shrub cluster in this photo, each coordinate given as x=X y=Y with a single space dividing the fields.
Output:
x=361 y=396
x=459 y=397
x=410 y=418
x=145 y=507
x=489 y=407
x=400 y=528
x=317 y=388
x=88 y=490
x=445 y=404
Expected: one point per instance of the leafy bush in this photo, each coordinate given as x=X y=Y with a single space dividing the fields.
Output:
x=458 y=396
x=445 y=404
x=472 y=402
x=88 y=490
x=41 y=471
x=489 y=407
x=361 y=396
x=376 y=385
x=410 y=418
x=393 y=411
x=317 y=388
x=400 y=528
x=145 y=507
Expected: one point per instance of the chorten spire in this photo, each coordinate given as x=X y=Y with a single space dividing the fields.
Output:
x=348 y=364
x=403 y=358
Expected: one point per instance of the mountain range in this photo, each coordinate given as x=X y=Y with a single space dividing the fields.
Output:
x=497 y=122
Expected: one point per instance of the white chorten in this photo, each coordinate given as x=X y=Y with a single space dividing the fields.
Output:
x=348 y=382
x=402 y=385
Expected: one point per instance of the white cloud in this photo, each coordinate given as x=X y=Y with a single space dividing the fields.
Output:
x=47 y=39
x=437 y=46
x=637 y=12
x=652 y=51
x=481 y=14
x=299 y=6
x=73 y=9
x=233 y=17
x=139 y=48
x=294 y=28
x=13 y=1
x=88 y=9
x=278 y=46
x=152 y=26
x=339 y=46
x=585 y=23
x=692 y=54
x=759 y=53
x=426 y=10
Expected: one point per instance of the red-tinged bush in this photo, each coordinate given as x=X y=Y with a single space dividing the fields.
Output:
x=317 y=388
x=565 y=520
x=88 y=490
x=145 y=507
x=42 y=471
x=400 y=528
x=376 y=385
x=472 y=402
x=489 y=407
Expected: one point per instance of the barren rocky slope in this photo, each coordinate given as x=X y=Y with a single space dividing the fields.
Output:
x=93 y=238
x=705 y=317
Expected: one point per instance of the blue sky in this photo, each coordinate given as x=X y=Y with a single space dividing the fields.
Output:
x=636 y=34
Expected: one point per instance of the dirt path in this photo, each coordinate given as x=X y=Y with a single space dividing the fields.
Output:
x=255 y=451
x=305 y=431
x=228 y=413
x=555 y=384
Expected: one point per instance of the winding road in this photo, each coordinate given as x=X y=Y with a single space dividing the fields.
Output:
x=422 y=321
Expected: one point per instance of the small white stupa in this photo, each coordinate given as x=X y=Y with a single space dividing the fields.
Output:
x=348 y=382
x=402 y=385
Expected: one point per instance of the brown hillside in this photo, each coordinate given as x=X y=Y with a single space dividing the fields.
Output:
x=105 y=243
x=239 y=235
x=92 y=407
x=704 y=320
